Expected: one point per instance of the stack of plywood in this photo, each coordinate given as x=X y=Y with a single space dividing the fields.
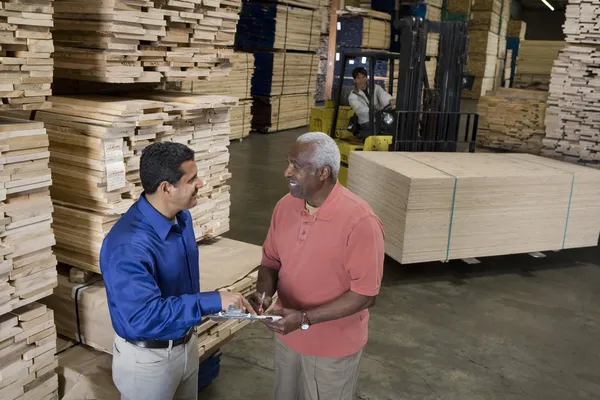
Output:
x=225 y=265
x=27 y=263
x=534 y=63
x=237 y=84
x=26 y=47
x=28 y=353
x=573 y=117
x=512 y=119
x=445 y=206
x=126 y=41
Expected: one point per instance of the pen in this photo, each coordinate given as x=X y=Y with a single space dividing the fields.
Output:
x=260 y=308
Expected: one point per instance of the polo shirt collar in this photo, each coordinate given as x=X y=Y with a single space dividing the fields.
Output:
x=329 y=206
x=161 y=225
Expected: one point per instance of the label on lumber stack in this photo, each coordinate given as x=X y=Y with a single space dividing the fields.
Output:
x=28 y=337
x=26 y=47
x=513 y=120
x=27 y=263
x=464 y=205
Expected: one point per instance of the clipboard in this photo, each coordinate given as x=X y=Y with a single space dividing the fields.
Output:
x=235 y=313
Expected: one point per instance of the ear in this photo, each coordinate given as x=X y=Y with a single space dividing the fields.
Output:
x=324 y=174
x=165 y=188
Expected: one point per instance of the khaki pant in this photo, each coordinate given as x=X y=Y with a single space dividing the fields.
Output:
x=300 y=377
x=156 y=374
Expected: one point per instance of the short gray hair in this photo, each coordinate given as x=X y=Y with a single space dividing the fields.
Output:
x=326 y=152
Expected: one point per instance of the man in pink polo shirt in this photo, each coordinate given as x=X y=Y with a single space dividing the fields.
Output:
x=324 y=256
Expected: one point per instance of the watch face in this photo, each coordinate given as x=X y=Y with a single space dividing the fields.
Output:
x=304 y=326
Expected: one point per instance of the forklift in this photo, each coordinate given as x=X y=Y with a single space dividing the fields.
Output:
x=425 y=118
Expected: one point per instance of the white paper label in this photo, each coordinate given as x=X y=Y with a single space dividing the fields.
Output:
x=113 y=150
x=115 y=175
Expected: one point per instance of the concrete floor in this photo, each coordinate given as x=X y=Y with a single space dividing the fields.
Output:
x=513 y=327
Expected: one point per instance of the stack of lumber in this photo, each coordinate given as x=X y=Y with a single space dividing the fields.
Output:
x=581 y=22
x=534 y=63
x=277 y=113
x=27 y=264
x=363 y=28
x=225 y=265
x=573 y=116
x=26 y=47
x=459 y=6
x=512 y=119
x=28 y=338
x=483 y=52
x=507 y=68
x=323 y=52
x=284 y=73
x=95 y=148
x=279 y=26
x=237 y=84
x=445 y=206
x=125 y=41
x=516 y=29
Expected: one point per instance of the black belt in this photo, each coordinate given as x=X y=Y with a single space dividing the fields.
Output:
x=163 y=344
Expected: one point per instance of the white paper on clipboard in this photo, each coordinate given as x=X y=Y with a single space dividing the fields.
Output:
x=225 y=316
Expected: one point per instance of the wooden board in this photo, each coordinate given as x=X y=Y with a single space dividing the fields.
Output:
x=26 y=47
x=484 y=21
x=272 y=26
x=581 y=22
x=512 y=119
x=445 y=206
x=483 y=42
x=241 y=120
x=534 y=63
x=572 y=122
x=128 y=41
x=27 y=264
x=28 y=338
x=459 y=6
x=277 y=113
x=225 y=264
x=284 y=73
x=487 y=5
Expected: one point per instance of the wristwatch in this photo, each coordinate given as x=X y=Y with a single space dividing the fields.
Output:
x=305 y=322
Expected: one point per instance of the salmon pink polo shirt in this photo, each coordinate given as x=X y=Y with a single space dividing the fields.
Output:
x=320 y=257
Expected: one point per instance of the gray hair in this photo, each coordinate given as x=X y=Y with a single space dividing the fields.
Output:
x=326 y=152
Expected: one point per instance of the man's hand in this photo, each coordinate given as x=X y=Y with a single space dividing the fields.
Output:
x=237 y=300
x=260 y=305
x=290 y=322
x=393 y=103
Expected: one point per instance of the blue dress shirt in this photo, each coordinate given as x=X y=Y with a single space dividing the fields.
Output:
x=152 y=275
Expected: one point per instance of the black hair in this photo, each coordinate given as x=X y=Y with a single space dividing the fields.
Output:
x=359 y=70
x=161 y=162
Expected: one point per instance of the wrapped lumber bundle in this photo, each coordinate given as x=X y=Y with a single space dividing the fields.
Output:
x=81 y=310
x=27 y=263
x=534 y=63
x=28 y=338
x=512 y=119
x=278 y=26
x=363 y=28
x=284 y=73
x=445 y=206
x=277 y=113
x=26 y=47
x=126 y=41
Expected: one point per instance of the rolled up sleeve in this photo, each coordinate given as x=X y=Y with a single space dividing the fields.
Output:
x=364 y=256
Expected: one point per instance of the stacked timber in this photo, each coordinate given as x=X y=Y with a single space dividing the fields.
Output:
x=323 y=51
x=516 y=29
x=284 y=40
x=237 y=84
x=81 y=310
x=445 y=206
x=581 y=22
x=363 y=28
x=95 y=149
x=512 y=119
x=507 y=68
x=534 y=63
x=27 y=263
x=26 y=47
x=126 y=41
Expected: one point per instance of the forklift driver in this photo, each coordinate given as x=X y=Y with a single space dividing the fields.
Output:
x=359 y=100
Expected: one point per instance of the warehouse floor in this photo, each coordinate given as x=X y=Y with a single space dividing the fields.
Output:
x=513 y=327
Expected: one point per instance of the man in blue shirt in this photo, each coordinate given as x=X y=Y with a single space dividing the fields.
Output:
x=149 y=261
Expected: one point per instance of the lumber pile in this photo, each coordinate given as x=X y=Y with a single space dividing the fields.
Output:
x=28 y=338
x=445 y=206
x=95 y=149
x=278 y=26
x=534 y=63
x=226 y=265
x=516 y=29
x=507 y=68
x=512 y=119
x=126 y=41
x=277 y=113
x=241 y=120
x=26 y=47
x=285 y=73
x=363 y=28
x=573 y=117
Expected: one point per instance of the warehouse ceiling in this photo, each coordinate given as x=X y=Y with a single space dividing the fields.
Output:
x=538 y=5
